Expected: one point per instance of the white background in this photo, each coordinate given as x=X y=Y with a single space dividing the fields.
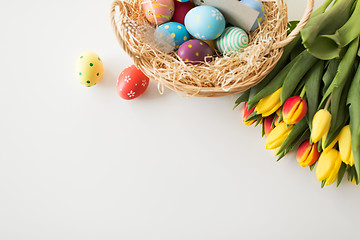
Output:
x=81 y=163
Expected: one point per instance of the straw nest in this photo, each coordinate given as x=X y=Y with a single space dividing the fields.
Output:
x=225 y=75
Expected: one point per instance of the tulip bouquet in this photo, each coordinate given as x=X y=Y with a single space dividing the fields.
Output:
x=311 y=100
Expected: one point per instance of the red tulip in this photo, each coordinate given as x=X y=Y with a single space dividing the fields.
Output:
x=268 y=127
x=307 y=154
x=247 y=113
x=294 y=110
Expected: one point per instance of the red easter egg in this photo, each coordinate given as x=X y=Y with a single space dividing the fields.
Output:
x=131 y=83
x=181 y=9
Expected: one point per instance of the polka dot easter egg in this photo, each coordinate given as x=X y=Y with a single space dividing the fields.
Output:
x=233 y=40
x=195 y=51
x=158 y=11
x=205 y=22
x=131 y=83
x=181 y=9
x=258 y=6
x=89 y=68
x=173 y=31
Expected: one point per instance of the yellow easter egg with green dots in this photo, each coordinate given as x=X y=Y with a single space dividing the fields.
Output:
x=89 y=68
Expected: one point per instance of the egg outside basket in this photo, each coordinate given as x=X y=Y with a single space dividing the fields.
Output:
x=226 y=74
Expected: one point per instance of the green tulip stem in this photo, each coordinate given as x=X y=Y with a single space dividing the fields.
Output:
x=328 y=103
x=302 y=94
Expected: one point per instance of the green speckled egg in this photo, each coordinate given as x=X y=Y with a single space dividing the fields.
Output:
x=89 y=68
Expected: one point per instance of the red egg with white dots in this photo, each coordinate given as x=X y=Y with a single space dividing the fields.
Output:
x=131 y=83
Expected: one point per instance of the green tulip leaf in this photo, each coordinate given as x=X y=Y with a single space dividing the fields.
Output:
x=349 y=31
x=263 y=129
x=354 y=110
x=275 y=79
x=303 y=63
x=278 y=68
x=323 y=183
x=325 y=23
x=253 y=116
x=312 y=166
x=330 y=73
x=292 y=25
x=243 y=98
x=339 y=113
x=351 y=173
x=345 y=70
x=341 y=174
x=312 y=89
x=295 y=136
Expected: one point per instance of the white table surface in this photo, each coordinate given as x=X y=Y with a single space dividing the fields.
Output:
x=81 y=163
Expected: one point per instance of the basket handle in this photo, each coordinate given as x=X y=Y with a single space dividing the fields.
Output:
x=125 y=8
x=299 y=27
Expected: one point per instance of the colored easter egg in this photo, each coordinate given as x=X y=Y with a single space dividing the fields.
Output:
x=173 y=31
x=233 y=40
x=181 y=9
x=89 y=68
x=205 y=22
x=182 y=0
x=195 y=51
x=158 y=11
x=258 y=6
x=131 y=83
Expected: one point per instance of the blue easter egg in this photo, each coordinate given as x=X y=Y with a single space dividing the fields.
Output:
x=205 y=22
x=182 y=0
x=173 y=31
x=257 y=6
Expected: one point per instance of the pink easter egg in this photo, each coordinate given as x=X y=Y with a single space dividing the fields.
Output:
x=158 y=11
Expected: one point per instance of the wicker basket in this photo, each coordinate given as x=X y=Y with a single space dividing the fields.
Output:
x=226 y=74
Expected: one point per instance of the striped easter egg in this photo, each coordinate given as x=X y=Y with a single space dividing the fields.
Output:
x=233 y=40
x=158 y=11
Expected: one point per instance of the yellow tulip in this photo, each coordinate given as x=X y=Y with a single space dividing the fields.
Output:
x=331 y=146
x=320 y=125
x=345 y=146
x=351 y=160
x=326 y=164
x=334 y=172
x=278 y=135
x=269 y=104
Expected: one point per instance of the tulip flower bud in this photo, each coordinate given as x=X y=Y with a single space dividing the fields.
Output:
x=247 y=113
x=307 y=154
x=351 y=160
x=326 y=164
x=268 y=126
x=278 y=135
x=294 y=110
x=334 y=172
x=345 y=145
x=331 y=146
x=320 y=125
x=269 y=104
